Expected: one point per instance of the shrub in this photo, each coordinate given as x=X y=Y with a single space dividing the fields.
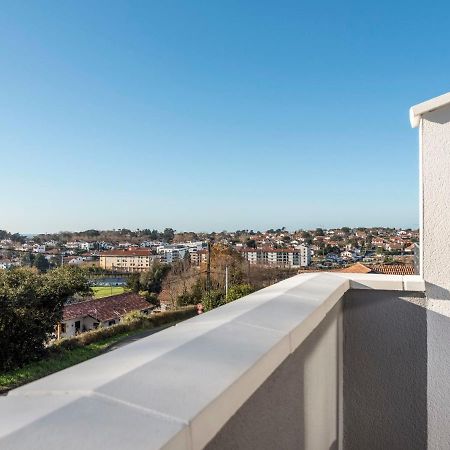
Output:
x=134 y=320
x=212 y=299
x=30 y=306
x=238 y=291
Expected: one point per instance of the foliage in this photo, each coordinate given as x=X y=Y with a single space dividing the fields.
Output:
x=30 y=306
x=27 y=259
x=250 y=243
x=213 y=299
x=152 y=298
x=133 y=282
x=151 y=280
x=239 y=291
x=41 y=263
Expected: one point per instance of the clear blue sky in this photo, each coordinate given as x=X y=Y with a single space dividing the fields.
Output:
x=211 y=115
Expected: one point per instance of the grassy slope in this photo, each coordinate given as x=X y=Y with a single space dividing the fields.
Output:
x=57 y=361
x=106 y=291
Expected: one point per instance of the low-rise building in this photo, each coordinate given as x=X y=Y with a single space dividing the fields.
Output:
x=104 y=312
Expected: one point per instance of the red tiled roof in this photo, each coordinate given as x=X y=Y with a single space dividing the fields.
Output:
x=386 y=269
x=106 y=308
x=356 y=268
x=393 y=269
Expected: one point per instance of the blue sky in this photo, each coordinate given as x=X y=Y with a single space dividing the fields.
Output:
x=212 y=115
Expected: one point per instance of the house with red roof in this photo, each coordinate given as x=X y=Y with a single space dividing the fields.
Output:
x=103 y=312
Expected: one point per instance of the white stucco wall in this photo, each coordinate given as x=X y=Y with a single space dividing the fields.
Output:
x=435 y=210
x=435 y=261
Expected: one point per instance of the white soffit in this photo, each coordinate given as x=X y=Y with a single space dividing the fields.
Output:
x=416 y=111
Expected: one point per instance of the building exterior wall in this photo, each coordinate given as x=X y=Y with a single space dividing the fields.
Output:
x=435 y=263
x=86 y=324
x=298 y=406
x=127 y=263
x=298 y=257
x=385 y=370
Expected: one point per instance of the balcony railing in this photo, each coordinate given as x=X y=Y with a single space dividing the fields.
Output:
x=318 y=361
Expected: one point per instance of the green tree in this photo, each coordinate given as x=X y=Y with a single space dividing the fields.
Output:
x=27 y=259
x=152 y=279
x=168 y=234
x=41 y=263
x=31 y=304
x=212 y=299
x=238 y=291
x=250 y=243
x=133 y=282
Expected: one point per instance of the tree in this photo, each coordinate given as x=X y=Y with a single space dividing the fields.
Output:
x=133 y=282
x=212 y=299
x=152 y=279
x=238 y=291
x=168 y=234
x=31 y=304
x=27 y=259
x=250 y=243
x=41 y=263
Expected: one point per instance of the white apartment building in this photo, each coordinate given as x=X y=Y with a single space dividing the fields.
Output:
x=172 y=253
x=82 y=245
x=300 y=256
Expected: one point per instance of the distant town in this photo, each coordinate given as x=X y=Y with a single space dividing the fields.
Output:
x=125 y=251
x=88 y=290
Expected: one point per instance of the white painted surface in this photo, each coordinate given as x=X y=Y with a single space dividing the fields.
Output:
x=434 y=142
x=435 y=245
x=417 y=111
x=177 y=388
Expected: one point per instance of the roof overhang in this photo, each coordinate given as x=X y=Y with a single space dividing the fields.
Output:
x=416 y=112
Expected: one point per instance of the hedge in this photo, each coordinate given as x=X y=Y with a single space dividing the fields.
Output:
x=131 y=322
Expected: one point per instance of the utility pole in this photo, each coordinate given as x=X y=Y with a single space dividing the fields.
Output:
x=226 y=282
x=208 y=269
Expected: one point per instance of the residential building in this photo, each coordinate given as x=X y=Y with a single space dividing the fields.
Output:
x=135 y=260
x=104 y=312
x=172 y=253
x=283 y=257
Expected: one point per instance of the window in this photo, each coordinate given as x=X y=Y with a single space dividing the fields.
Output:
x=63 y=328
x=111 y=322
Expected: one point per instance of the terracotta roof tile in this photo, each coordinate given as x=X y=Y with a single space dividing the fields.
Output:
x=356 y=268
x=106 y=308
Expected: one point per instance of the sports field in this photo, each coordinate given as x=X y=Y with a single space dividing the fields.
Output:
x=107 y=291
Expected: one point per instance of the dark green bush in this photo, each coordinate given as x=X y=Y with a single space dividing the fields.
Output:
x=30 y=306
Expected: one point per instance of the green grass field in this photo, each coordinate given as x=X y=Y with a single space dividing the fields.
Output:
x=106 y=291
x=57 y=361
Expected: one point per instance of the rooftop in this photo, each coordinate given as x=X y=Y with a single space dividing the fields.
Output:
x=106 y=308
